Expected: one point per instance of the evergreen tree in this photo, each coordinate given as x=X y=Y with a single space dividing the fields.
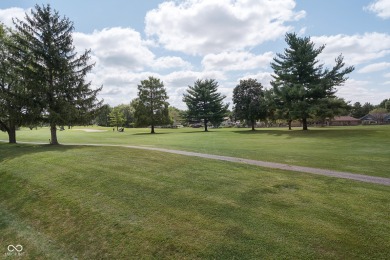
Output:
x=10 y=106
x=329 y=108
x=16 y=102
x=249 y=102
x=366 y=108
x=300 y=81
x=103 y=116
x=204 y=102
x=357 y=110
x=152 y=108
x=54 y=70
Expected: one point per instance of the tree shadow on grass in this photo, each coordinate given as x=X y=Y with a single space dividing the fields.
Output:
x=200 y=131
x=312 y=132
x=11 y=151
x=157 y=133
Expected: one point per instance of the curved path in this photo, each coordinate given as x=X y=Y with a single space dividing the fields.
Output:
x=330 y=173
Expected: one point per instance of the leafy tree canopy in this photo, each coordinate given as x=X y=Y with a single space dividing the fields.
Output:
x=152 y=106
x=249 y=102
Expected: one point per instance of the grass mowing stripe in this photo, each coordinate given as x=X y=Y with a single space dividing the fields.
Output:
x=123 y=203
x=329 y=173
x=361 y=149
x=35 y=244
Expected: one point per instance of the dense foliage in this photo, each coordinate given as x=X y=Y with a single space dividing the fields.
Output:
x=249 y=102
x=152 y=108
x=205 y=103
x=300 y=82
x=53 y=69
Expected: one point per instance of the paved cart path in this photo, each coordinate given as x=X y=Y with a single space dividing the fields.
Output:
x=330 y=173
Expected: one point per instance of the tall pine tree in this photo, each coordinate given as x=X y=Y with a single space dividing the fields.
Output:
x=55 y=70
x=300 y=82
x=205 y=103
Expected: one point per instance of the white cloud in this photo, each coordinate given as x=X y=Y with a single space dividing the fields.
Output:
x=375 y=67
x=169 y=62
x=387 y=75
x=356 y=49
x=6 y=15
x=179 y=79
x=380 y=7
x=116 y=47
x=263 y=77
x=361 y=91
x=124 y=48
x=234 y=61
x=215 y=26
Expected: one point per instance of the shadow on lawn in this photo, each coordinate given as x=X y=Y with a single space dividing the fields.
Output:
x=156 y=133
x=11 y=151
x=312 y=132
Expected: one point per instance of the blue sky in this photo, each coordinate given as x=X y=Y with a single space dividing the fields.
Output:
x=228 y=40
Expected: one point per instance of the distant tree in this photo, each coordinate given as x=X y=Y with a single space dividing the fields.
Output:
x=379 y=114
x=249 y=102
x=329 y=108
x=385 y=104
x=133 y=106
x=55 y=70
x=128 y=114
x=300 y=81
x=274 y=107
x=152 y=107
x=357 y=110
x=382 y=104
x=204 y=102
x=366 y=108
x=117 y=118
x=103 y=116
x=176 y=115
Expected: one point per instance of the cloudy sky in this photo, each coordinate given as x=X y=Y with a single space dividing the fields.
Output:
x=227 y=40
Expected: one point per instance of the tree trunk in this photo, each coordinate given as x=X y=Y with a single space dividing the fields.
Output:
x=253 y=125
x=53 y=131
x=289 y=124
x=11 y=131
x=152 y=131
x=205 y=126
x=12 y=134
x=304 y=123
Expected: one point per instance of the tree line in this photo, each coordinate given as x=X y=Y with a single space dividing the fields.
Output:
x=43 y=81
x=302 y=89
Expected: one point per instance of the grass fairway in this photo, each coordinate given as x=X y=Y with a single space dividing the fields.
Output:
x=114 y=203
x=361 y=149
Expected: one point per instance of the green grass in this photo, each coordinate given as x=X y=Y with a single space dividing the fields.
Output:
x=115 y=203
x=361 y=149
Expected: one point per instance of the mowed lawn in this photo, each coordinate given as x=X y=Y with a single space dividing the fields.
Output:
x=360 y=149
x=74 y=202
